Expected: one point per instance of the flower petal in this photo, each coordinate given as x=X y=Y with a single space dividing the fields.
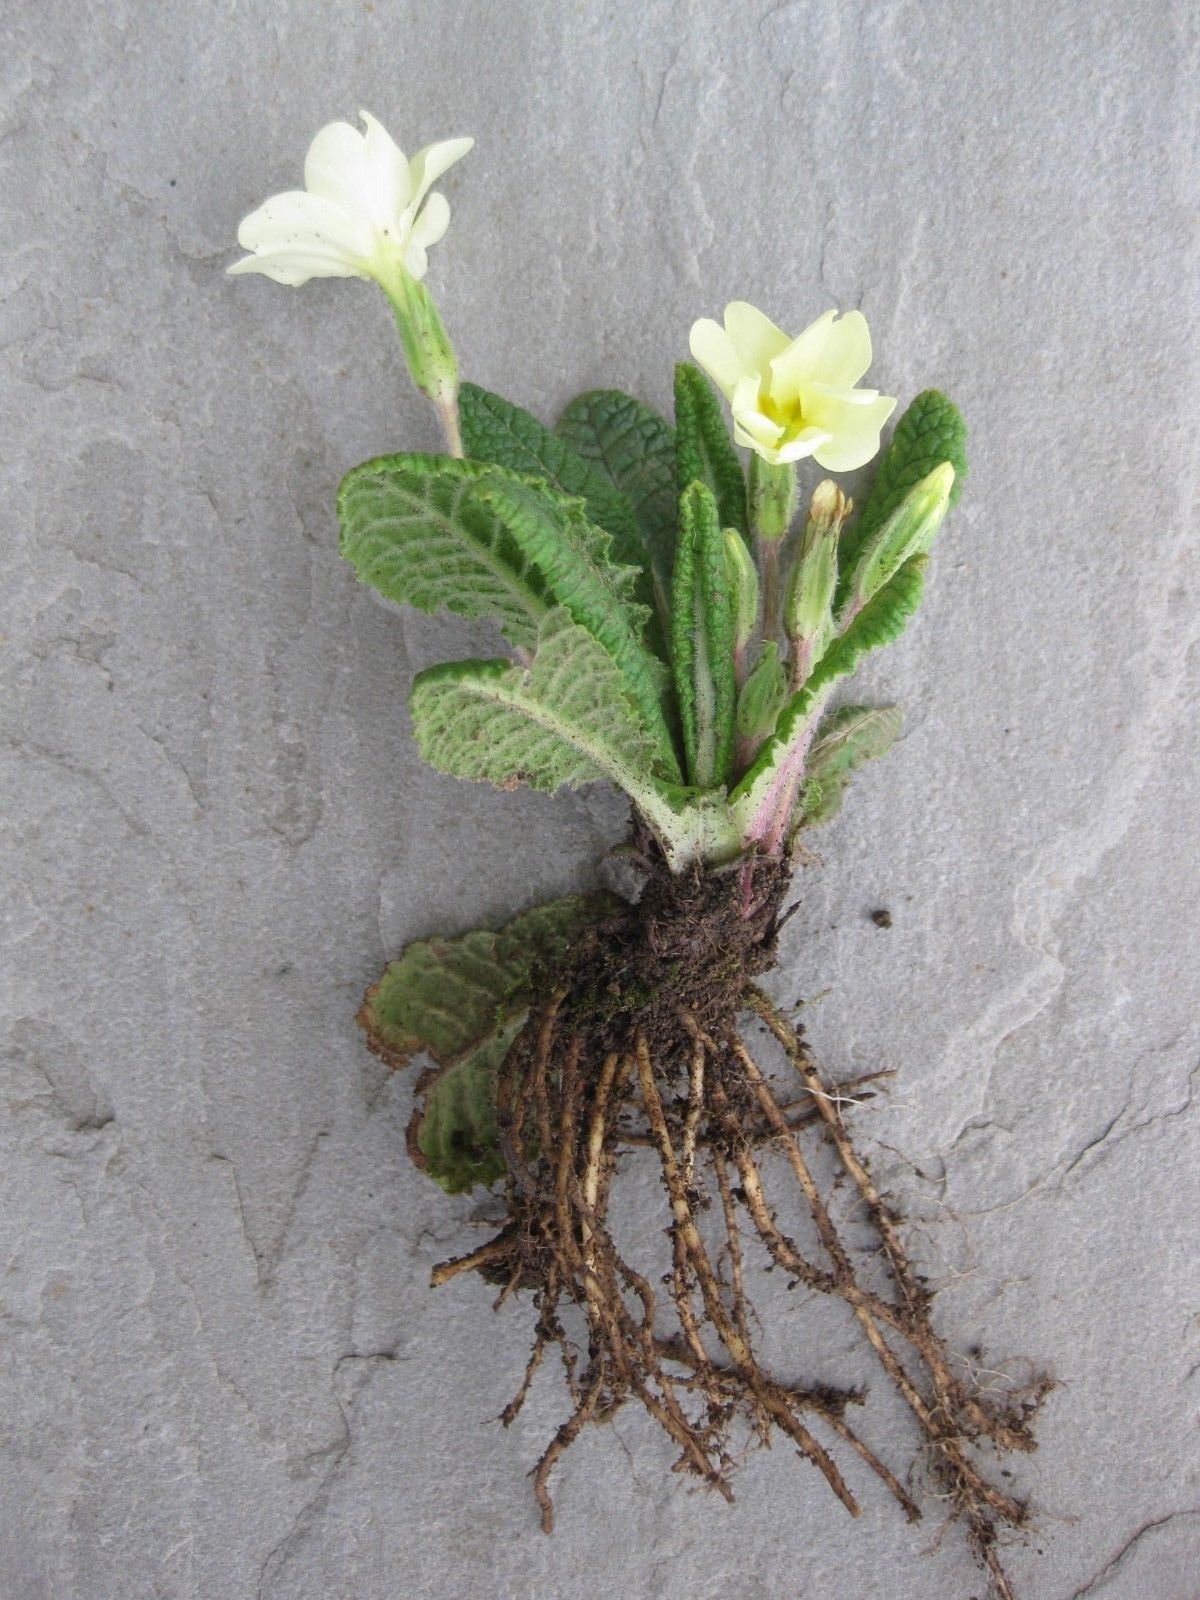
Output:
x=432 y=221
x=294 y=267
x=335 y=166
x=758 y=430
x=427 y=166
x=801 y=360
x=847 y=351
x=854 y=433
x=389 y=176
x=829 y=351
x=805 y=443
x=712 y=348
x=755 y=337
x=306 y=222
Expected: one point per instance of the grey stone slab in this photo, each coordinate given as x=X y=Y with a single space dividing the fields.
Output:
x=223 y=1373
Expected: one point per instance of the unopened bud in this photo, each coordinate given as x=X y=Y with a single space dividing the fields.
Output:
x=762 y=696
x=908 y=532
x=809 y=601
x=743 y=587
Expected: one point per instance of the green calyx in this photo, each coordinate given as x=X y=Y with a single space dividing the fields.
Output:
x=772 y=495
x=426 y=345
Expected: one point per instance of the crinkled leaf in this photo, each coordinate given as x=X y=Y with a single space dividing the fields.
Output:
x=702 y=637
x=704 y=451
x=444 y=995
x=484 y=541
x=565 y=719
x=461 y=1001
x=930 y=431
x=452 y=1132
x=416 y=529
x=496 y=431
x=635 y=450
x=596 y=594
x=845 y=739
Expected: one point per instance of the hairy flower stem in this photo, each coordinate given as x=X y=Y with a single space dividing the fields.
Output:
x=769 y=580
x=446 y=406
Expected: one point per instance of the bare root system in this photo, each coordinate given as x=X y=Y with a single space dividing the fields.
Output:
x=638 y=1044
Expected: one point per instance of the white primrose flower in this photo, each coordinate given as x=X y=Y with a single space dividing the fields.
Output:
x=365 y=211
x=792 y=398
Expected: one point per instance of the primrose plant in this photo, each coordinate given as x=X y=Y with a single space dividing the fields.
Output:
x=678 y=627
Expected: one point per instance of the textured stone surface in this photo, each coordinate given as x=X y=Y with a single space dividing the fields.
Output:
x=223 y=1374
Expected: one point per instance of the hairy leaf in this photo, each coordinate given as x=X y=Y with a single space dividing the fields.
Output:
x=702 y=640
x=566 y=719
x=461 y=1001
x=483 y=541
x=704 y=452
x=444 y=995
x=496 y=431
x=635 y=450
x=452 y=1133
x=415 y=528
x=847 y=737
x=574 y=559
x=930 y=431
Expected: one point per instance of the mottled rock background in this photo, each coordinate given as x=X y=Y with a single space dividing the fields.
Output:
x=222 y=1372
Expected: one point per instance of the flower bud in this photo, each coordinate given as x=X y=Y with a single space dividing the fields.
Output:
x=808 y=605
x=762 y=696
x=743 y=587
x=908 y=532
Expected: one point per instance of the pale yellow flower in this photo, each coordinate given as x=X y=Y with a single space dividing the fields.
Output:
x=365 y=210
x=792 y=398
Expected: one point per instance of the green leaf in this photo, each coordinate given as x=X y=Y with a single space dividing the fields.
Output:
x=574 y=557
x=452 y=1133
x=635 y=450
x=702 y=640
x=496 y=431
x=704 y=451
x=762 y=800
x=462 y=1002
x=565 y=719
x=415 y=528
x=483 y=541
x=444 y=995
x=762 y=695
x=847 y=737
x=930 y=431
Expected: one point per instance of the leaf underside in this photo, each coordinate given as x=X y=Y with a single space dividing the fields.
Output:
x=566 y=719
x=486 y=542
x=461 y=1001
x=845 y=739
